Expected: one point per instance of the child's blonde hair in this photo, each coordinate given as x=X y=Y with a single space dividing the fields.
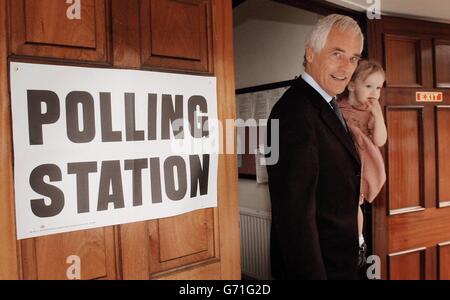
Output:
x=365 y=69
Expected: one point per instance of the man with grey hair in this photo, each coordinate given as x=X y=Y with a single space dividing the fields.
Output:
x=314 y=187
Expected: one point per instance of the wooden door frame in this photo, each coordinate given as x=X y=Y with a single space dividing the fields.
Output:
x=9 y=266
x=228 y=200
x=377 y=241
x=379 y=217
x=324 y=8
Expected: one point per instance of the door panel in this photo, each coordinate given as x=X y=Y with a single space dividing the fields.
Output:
x=412 y=230
x=408 y=265
x=443 y=153
x=442 y=62
x=402 y=61
x=411 y=214
x=46 y=258
x=443 y=261
x=176 y=34
x=208 y=270
x=163 y=35
x=194 y=231
x=190 y=229
x=41 y=28
x=405 y=180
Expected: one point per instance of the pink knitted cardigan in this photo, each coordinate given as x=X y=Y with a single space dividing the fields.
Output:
x=360 y=123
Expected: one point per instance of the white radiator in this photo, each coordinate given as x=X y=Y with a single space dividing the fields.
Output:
x=255 y=244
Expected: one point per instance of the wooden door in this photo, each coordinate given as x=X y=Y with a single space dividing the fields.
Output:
x=412 y=214
x=189 y=36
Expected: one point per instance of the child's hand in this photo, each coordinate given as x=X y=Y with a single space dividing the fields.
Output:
x=375 y=108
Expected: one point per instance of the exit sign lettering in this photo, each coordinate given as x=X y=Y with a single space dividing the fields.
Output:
x=429 y=97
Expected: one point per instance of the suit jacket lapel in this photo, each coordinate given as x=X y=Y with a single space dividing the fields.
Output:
x=332 y=121
x=330 y=118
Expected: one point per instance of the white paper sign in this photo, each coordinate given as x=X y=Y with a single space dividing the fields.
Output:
x=97 y=147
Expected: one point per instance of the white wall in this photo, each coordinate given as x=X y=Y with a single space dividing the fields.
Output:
x=253 y=195
x=269 y=41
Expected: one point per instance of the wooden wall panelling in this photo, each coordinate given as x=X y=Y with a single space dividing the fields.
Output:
x=443 y=261
x=428 y=156
x=185 y=246
x=125 y=30
x=45 y=257
x=134 y=251
x=41 y=28
x=406 y=181
x=182 y=240
x=442 y=63
x=425 y=231
x=8 y=247
x=380 y=206
x=407 y=265
x=207 y=270
x=403 y=61
x=190 y=230
x=126 y=251
x=46 y=22
x=221 y=222
x=430 y=261
x=176 y=35
x=133 y=241
x=443 y=154
x=425 y=58
x=414 y=70
x=228 y=201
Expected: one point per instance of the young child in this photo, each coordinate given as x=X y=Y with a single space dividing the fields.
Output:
x=362 y=112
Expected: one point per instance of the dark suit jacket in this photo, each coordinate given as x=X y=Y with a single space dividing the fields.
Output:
x=314 y=190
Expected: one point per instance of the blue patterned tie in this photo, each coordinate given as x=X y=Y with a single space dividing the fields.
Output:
x=338 y=112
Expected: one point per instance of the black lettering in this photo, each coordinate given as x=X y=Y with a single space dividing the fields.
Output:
x=38 y=206
x=169 y=176
x=152 y=98
x=171 y=115
x=130 y=119
x=108 y=135
x=155 y=178
x=198 y=130
x=82 y=170
x=137 y=165
x=199 y=174
x=73 y=129
x=35 y=116
x=110 y=177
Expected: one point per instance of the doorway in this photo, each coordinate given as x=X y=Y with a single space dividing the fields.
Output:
x=269 y=38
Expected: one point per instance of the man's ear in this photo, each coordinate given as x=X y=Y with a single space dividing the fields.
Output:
x=309 y=54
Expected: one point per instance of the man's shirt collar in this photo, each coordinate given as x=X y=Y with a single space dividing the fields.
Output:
x=306 y=77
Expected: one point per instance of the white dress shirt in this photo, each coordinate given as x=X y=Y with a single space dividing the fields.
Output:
x=306 y=77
